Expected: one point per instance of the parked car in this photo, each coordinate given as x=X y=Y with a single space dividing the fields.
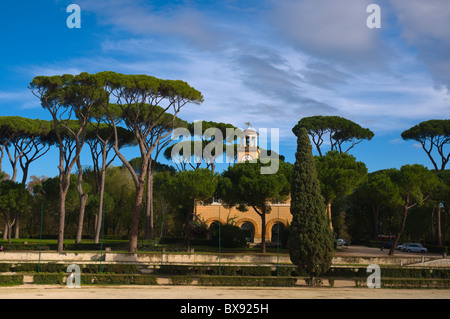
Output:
x=387 y=245
x=342 y=242
x=401 y=246
x=414 y=248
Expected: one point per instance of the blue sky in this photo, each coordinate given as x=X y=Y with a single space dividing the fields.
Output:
x=270 y=62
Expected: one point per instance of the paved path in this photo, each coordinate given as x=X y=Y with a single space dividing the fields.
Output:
x=342 y=290
x=195 y=292
x=192 y=292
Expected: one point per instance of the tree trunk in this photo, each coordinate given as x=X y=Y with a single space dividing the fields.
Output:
x=402 y=228
x=63 y=188
x=134 y=228
x=149 y=208
x=83 y=199
x=438 y=224
x=17 y=225
x=328 y=212
x=263 y=232
x=5 y=231
x=375 y=222
x=99 y=219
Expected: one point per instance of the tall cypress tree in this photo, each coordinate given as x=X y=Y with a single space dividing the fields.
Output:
x=310 y=240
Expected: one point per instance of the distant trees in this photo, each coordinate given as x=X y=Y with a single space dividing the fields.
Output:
x=338 y=129
x=339 y=175
x=416 y=184
x=188 y=188
x=206 y=143
x=68 y=98
x=242 y=185
x=379 y=195
x=14 y=199
x=433 y=136
x=109 y=111
x=142 y=105
x=24 y=141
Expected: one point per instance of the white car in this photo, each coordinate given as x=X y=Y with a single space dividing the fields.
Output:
x=414 y=248
x=342 y=242
x=401 y=246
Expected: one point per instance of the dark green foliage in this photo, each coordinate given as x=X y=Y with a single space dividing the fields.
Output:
x=245 y=186
x=11 y=280
x=339 y=174
x=225 y=270
x=247 y=281
x=432 y=134
x=97 y=279
x=414 y=283
x=5 y=267
x=187 y=189
x=339 y=129
x=114 y=279
x=256 y=271
x=48 y=279
x=231 y=236
x=310 y=240
x=181 y=280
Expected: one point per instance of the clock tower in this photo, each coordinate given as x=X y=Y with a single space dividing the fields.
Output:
x=248 y=146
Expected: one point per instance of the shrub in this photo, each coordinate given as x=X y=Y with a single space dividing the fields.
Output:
x=111 y=268
x=224 y=270
x=11 y=280
x=285 y=271
x=181 y=280
x=231 y=236
x=48 y=279
x=247 y=281
x=256 y=271
x=5 y=267
x=113 y=279
x=414 y=283
x=174 y=270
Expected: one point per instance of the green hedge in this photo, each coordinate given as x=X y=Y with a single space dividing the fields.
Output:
x=11 y=280
x=181 y=280
x=247 y=281
x=48 y=279
x=408 y=283
x=108 y=279
x=61 y=268
x=97 y=279
x=214 y=270
x=256 y=271
x=414 y=283
x=349 y=272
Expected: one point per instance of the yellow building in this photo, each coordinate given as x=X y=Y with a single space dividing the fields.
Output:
x=249 y=221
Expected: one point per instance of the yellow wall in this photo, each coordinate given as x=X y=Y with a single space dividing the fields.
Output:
x=279 y=212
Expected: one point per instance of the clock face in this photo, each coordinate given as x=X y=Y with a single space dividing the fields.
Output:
x=247 y=158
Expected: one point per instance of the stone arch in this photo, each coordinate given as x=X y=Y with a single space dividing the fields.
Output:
x=251 y=234
x=273 y=222
x=211 y=220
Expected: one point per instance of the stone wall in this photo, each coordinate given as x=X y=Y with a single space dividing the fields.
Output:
x=205 y=259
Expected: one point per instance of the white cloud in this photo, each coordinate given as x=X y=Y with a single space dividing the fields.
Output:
x=334 y=31
x=23 y=99
x=273 y=66
x=425 y=26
